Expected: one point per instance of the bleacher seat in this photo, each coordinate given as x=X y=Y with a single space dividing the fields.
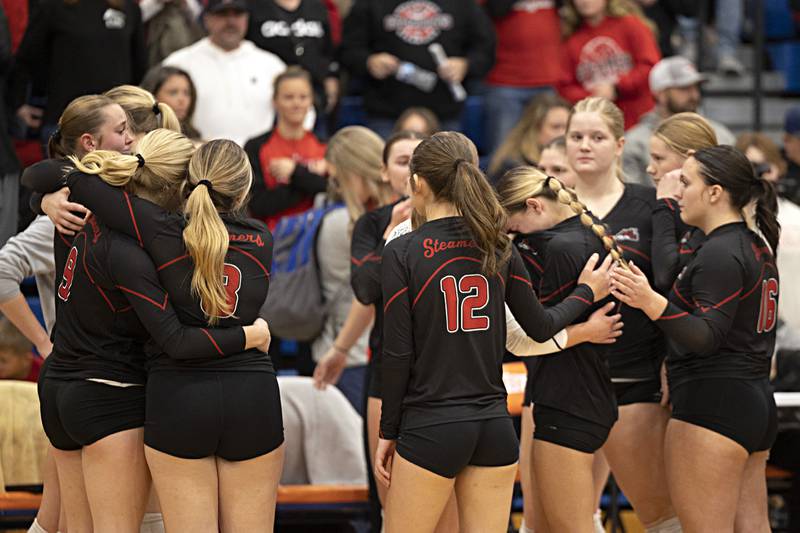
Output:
x=785 y=57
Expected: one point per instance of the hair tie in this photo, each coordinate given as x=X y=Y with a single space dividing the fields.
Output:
x=206 y=183
x=156 y=109
x=457 y=162
x=141 y=160
x=547 y=182
x=56 y=135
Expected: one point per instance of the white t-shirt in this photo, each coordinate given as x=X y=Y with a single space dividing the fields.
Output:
x=234 y=89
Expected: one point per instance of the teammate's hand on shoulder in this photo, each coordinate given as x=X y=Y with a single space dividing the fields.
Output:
x=329 y=369
x=384 y=455
x=669 y=185
x=67 y=216
x=603 y=327
x=597 y=278
x=400 y=213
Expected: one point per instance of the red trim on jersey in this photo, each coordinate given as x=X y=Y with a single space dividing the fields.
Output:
x=520 y=278
x=124 y=309
x=685 y=250
x=133 y=218
x=635 y=251
x=63 y=239
x=720 y=304
x=161 y=306
x=172 y=262
x=557 y=291
x=758 y=283
x=398 y=293
x=672 y=317
x=369 y=257
x=502 y=280
x=251 y=256
x=584 y=300
x=425 y=286
x=668 y=201
x=103 y=294
x=212 y=341
x=533 y=262
x=684 y=300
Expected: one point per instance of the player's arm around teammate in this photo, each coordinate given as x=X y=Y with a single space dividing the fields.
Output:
x=721 y=316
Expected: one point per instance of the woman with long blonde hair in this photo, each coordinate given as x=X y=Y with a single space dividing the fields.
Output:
x=214 y=463
x=635 y=447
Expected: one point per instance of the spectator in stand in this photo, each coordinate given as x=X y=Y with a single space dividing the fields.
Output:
x=387 y=44
x=675 y=83
x=355 y=161
x=791 y=152
x=765 y=156
x=418 y=119
x=169 y=26
x=232 y=76
x=512 y=83
x=16 y=357
x=288 y=162
x=664 y=14
x=9 y=166
x=554 y=162
x=175 y=88
x=299 y=32
x=72 y=48
x=544 y=119
x=609 y=51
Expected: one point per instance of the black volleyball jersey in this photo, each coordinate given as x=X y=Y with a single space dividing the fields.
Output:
x=575 y=380
x=111 y=303
x=160 y=233
x=723 y=308
x=366 y=249
x=531 y=249
x=674 y=243
x=638 y=353
x=445 y=329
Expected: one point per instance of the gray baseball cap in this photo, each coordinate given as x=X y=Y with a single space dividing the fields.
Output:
x=675 y=71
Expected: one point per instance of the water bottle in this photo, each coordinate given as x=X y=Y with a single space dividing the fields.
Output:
x=422 y=79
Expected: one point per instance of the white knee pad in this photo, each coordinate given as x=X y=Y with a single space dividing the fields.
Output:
x=597 y=519
x=36 y=528
x=671 y=525
x=152 y=523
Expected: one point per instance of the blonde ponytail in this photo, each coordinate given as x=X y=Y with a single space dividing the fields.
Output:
x=206 y=240
x=144 y=112
x=219 y=181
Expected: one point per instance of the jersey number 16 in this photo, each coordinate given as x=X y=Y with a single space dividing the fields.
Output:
x=768 y=314
x=462 y=298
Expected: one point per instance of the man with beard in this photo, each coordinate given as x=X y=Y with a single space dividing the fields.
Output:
x=233 y=77
x=675 y=84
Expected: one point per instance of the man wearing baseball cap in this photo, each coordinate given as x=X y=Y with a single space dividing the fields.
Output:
x=675 y=84
x=233 y=77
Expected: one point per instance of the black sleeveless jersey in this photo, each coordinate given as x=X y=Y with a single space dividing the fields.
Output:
x=575 y=380
x=639 y=352
x=674 y=243
x=723 y=308
x=444 y=328
x=160 y=233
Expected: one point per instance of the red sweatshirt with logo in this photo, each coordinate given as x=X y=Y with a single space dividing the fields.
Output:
x=620 y=51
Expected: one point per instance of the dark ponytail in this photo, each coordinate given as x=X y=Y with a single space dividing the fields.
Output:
x=766 y=209
x=728 y=167
x=448 y=162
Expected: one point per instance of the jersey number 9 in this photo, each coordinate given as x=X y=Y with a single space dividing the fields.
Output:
x=462 y=298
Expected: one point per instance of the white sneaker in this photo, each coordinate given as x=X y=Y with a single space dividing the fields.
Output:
x=730 y=66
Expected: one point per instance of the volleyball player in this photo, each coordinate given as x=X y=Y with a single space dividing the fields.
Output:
x=444 y=409
x=634 y=448
x=720 y=319
x=92 y=391
x=672 y=142
x=215 y=463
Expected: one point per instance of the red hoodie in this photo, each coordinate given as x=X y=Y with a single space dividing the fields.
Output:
x=619 y=50
x=520 y=51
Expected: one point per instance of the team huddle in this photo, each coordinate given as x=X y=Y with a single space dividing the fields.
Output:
x=646 y=318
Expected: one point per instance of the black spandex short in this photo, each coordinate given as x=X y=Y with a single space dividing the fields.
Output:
x=446 y=449
x=196 y=414
x=77 y=413
x=629 y=392
x=567 y=430
x=742 y=410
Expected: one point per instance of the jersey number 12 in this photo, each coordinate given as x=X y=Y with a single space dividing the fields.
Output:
x=462 y=298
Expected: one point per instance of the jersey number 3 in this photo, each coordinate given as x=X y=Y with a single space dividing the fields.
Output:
x=768 y=315
x=69 y=274
x=232 y=279
x=462 y=298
